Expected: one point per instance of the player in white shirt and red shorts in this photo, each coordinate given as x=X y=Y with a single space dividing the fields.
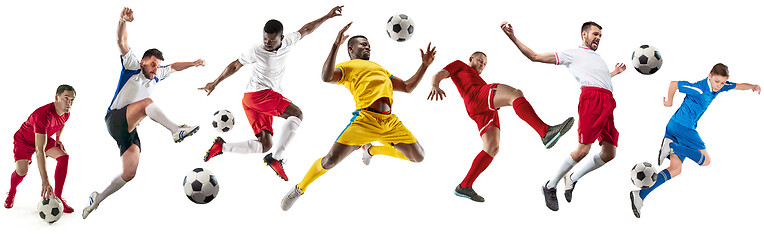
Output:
x=595 y=106
x=262 y=100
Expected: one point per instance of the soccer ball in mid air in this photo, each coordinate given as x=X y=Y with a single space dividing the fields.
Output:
x=400 y=27
x=643 y=175
x=200 y=186
x=646 y=59
x=50 y=209
x=222 y=120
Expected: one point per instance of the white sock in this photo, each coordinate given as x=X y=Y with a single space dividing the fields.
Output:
x=249 y=146
x=113 y=187
x=156 y=114
x=289 y=129
x=564 y=168
x=588 y=166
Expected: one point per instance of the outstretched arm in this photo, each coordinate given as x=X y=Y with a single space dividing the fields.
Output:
x=329 y=73
x=669 y=101
x=311 y=26
x=232 y=68
x=530 y=54
x=180 y=66
x=619 y=68
x=748 y=86
x=124 y=17
x=409 y=85
x=436 y=93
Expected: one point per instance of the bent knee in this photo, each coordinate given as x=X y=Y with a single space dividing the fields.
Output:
x=491 y=150
x=128 y=174
x=706 y=162
x=417 y=156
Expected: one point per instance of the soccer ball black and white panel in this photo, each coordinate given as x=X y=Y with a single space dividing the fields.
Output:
x=50 y=209
x=222 y=120
x=400 y=27
x=643 y=175
x=646 y=59
x=200 y=186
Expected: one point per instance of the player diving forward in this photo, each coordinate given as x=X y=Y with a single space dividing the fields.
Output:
x=132 y=102
x=34 y=136
x=262 y=100
x=681 y=139
x=595 y=106
x=483 y=102
x=372 y=89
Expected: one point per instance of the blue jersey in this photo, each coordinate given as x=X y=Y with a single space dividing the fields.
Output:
x=699 y=96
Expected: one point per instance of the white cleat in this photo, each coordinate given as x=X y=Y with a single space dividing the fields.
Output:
x=636 y=203
x=183 y=132
x=290 y=198
x=92 y=206
x=366 y=154
x=665 y=151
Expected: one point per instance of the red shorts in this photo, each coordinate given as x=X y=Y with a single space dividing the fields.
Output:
x=261 y=107
x=479 y=104
x=595 y=116
x=23 y=150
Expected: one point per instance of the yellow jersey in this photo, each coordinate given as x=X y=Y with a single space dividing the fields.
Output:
x=367 y=81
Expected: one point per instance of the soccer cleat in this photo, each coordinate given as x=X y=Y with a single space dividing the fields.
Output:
x=9 y=200
x=216 y=149
x=553 y=133
x=665 y=151
x=183 y=132
x=366 y=154
x=276 y=165
x=550 y=196
x=92 y=206
x=67 y=208
x=636 y=203
x=290 y=198
x=569 y=186
x=468 y=192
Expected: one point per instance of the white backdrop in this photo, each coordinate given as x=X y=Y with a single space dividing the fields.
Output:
x=47 y=43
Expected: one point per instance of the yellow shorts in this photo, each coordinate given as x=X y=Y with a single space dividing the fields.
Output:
x=367 y=126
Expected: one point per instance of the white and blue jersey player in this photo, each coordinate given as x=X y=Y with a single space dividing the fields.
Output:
x=682 y=139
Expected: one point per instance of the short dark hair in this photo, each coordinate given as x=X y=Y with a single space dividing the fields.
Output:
x=588 y=25
x=720 y=70
x=479 y=52
x=273 y=26
x=153 y=52
x=63 y=88
x=356 y=36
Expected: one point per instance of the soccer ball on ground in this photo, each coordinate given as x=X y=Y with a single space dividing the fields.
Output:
x=222 y=120
x=50 y=209
x=400 y=27
x=200 y=186
x=646 y=59
x=643 y=175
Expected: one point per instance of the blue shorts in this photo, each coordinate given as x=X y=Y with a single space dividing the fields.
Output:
x=683 y=135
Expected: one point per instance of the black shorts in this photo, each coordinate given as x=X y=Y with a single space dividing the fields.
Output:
x=116 y=123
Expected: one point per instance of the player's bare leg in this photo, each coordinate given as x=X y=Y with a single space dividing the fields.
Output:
x=22 y=167
x=336 y=154
x=62 y=167
x=490 y=138
x=598 y=160
x=136 y=111
x=293 y=117
x=505 y=95
x=129 y=168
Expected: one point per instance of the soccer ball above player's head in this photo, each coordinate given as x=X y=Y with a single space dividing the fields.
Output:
x=64 y=98
x=478 y=60
x=150 y=62
x=359 y=47
x=273 y=33
x=718 y=76
x=591 y=32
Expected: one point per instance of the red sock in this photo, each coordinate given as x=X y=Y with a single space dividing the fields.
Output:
x=60 y=176
x=481 y=162
x=525 y=111
x=15 y=180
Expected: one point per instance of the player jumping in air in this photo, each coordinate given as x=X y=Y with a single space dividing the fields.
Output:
x=682 y=139
x=262 y=100
x=132 y=102
x=483 y=102
x=34 y=137
x=595 y=106
x=372 y=89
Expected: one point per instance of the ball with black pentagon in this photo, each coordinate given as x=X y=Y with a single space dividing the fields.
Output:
x=222 y=120
x=643 y=175
x=200 y=186
x=400 y=27
x=50 y=209
x=646 y=59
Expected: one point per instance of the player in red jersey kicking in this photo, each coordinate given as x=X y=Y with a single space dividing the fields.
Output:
x=34 y=137
x=483 y=102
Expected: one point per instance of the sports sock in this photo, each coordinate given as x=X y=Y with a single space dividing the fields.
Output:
x=387 y=151
x=588 y=166
x=663 y=176
x=525 y=111
x=113 y=187
x=481 y=162
x=156 y=114
x=564 y=168
x=684 y=151
x=289 y=129
x=313 y=173
x=249 y=146
x=15 y=180
x=62 y=165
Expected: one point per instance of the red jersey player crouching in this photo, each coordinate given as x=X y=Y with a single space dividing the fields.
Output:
x=34 y=136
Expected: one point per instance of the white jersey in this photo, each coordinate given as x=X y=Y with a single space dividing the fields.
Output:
x=269 y=66
x=133 y=86
x=586 y=66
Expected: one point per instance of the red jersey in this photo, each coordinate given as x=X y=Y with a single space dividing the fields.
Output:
x=466 y=80
x=44 y=120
